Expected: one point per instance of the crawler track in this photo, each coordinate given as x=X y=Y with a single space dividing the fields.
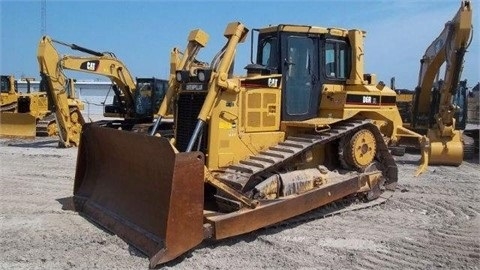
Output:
x=247 y=173
x=42 y=125
x=9 y=107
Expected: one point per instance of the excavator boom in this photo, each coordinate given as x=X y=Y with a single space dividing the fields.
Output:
x=69 y=120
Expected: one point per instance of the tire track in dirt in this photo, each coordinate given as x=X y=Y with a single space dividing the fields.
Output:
x=449 y=238
x=426 y=249
x=22 y=194
x=445 y=209
x=467 y=189
x=432 y=223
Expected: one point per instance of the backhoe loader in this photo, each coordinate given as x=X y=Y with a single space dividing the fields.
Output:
x=304 y=127
x=27 y=115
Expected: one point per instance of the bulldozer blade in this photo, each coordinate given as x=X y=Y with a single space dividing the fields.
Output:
x=19 y=125
x=141 y=189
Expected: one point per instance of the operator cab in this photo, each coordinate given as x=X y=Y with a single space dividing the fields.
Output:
x=147 y=99
x=307 y=57
x=149 y=95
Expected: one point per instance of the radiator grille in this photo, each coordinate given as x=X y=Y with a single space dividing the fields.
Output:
x=188 y=107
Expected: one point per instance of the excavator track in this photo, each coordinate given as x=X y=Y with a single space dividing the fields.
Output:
x=42 y=125
x=245 y=175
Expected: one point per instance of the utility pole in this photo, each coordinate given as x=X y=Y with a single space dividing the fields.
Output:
x=43 y=17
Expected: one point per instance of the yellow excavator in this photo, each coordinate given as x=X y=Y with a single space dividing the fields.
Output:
x=436 y=104
x=135 y=101
x=304 y=127
x=27 y=115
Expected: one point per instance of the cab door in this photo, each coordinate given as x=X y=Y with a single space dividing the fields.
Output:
x=301 y=87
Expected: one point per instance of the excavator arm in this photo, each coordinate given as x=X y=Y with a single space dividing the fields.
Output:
x=449 y=47
x=56 y=84
x=437 y=113
x=104 y=64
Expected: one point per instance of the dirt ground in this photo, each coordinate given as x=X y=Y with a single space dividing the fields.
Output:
x=431 y=222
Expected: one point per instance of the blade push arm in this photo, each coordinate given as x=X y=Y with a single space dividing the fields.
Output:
x=197 y=39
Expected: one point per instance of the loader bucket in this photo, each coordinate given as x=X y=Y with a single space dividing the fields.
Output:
x=139 y=188
x=21 y=125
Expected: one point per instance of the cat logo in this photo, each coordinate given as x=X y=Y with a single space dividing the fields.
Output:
x=272 y=82
x=90 y=65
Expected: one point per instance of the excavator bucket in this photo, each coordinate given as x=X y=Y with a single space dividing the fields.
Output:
x=21 y=125
x=445 y=150
x=140 y=188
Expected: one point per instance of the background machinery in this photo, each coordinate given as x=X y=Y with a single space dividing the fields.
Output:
x=436 y=105
x=305 y=127
x=135 y=101
x=29 y=114
x=12 y=123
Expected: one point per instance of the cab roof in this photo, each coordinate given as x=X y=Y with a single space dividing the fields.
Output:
x=341 y=32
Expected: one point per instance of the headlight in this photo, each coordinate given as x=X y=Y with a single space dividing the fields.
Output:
x=178 y=75
x=201 y=75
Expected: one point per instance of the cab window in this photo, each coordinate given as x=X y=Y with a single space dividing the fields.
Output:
x=337 y=64
x=268 y=53
x=5 y=85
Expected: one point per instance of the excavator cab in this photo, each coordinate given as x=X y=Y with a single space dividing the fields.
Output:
x=149 y=95
x=460 y=100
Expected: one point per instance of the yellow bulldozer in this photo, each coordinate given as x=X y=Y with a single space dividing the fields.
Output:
x=304 y=127
x=27 y=115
